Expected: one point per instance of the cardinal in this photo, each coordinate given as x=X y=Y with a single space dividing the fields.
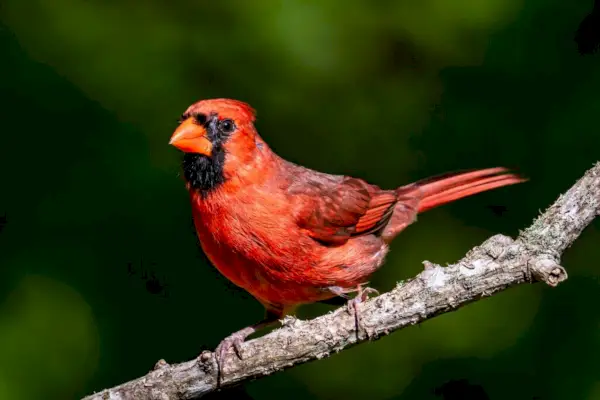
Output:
x=287 y=234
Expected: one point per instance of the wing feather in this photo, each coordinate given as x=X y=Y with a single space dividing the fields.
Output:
x=334 y=209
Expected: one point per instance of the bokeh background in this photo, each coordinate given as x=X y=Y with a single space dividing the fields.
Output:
x=101 y=274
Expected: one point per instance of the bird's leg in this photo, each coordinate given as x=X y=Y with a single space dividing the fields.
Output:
x=236 y=339
x=340 y=291
x=362 y=294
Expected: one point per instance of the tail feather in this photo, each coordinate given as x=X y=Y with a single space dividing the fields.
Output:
x=446 y=188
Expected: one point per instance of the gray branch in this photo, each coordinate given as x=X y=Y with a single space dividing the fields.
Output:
x=497 y=264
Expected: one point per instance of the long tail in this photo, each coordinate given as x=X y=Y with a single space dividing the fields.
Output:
x=446 y=188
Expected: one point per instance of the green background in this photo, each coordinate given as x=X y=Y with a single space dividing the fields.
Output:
x=390 y=91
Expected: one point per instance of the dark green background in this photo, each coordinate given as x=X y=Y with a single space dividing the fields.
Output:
x=390 y=91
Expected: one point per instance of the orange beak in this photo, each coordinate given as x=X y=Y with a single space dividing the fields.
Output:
x=190 y=137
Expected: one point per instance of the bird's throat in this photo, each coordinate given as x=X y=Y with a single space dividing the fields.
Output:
x=204 y=173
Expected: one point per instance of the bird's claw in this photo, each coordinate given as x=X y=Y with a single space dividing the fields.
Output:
x=361 y=296
x=234 y=341
x=364 y=293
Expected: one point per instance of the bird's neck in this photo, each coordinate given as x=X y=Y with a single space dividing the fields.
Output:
x=225 y=173
x=202 y=173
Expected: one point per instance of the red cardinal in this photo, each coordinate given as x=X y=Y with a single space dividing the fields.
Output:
x=287 y=234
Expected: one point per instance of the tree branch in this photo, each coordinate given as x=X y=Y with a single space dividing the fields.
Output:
x=495 y=265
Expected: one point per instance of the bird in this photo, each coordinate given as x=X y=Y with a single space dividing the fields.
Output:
x=287 y=234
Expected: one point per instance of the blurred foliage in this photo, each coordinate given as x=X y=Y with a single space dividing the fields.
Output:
x=98 y=221
x=48 y=341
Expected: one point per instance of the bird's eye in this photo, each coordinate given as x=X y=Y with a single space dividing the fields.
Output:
x=227 y=126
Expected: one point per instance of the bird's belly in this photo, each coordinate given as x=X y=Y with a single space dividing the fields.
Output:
x=263 y=281
x=278 y=287
x=281 y=266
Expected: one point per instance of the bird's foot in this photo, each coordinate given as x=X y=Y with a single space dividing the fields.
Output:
x=234 y=341
x=361 y=296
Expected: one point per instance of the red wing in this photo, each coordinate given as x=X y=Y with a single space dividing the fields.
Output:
x=338 y=209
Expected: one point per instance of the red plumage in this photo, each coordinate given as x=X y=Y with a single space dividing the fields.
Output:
x=287 y=234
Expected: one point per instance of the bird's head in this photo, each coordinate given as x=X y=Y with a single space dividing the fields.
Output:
x=220 y=143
